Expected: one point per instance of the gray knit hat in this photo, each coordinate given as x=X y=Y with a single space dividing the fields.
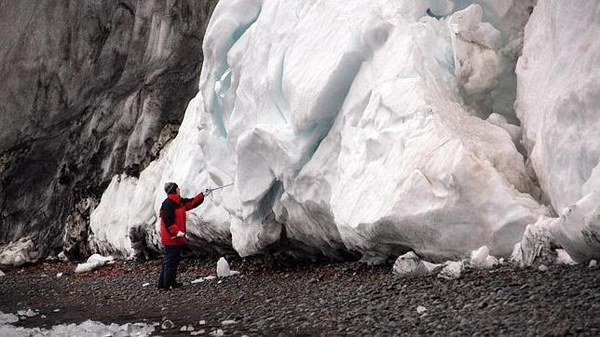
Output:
x=170 y=187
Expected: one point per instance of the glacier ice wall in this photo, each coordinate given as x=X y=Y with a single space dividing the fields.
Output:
x=362 y=126
x=559 y=106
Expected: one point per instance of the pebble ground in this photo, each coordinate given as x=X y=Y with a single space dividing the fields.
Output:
x=319 y=299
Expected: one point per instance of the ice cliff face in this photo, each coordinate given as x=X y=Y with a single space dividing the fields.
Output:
x=364 y=127
x=374 y=127
x=559 y=106
x=85 y=89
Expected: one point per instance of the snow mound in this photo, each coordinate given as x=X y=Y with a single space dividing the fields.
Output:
x=93 y=262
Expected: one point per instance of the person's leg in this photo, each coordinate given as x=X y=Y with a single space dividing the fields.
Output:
x=172 y=258
x=161 y=278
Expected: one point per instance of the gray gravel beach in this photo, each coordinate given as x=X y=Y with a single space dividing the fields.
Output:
x=317 y=299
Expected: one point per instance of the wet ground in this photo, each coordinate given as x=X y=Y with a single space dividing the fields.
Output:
x=319 y=299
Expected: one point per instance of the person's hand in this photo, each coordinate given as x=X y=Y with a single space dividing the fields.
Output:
x=207 y=192
x=180 y=234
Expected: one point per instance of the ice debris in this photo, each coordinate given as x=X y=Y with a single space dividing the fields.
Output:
x=18 y=253
x=167 y=324
x=187 y=328
x=199 y=332
x=228 y=322
x=452 y=270
x=7 y=318
x=202 y=279
x=218 y=332
x=409 y=264
x=1 y=273
x=421 y=309
x=223 y=269
x=93 y=262
x=481 y=258
x=562 y=257
x=87 y=328
x=542 y=267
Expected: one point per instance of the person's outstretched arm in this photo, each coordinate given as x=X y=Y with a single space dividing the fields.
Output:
x=189 y=203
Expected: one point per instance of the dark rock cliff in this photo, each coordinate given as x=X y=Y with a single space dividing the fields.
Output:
x=86 y=87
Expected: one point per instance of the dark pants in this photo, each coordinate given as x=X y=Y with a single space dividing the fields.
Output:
x=168 y=273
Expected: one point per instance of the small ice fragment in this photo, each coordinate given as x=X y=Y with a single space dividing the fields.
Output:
x=593 y=264
x=228 y=322
x=199 y=332
x=409 y=264
x=542 y=267
x=59 y=275
x=202 y=322
x=481 y=258
x=223 y=268
x=167 y=324
x=219 y=332
x=145 y=284
x=43 y=316
x=56 y=310
x=562 y=257
x=1 y=273
x=421 y=309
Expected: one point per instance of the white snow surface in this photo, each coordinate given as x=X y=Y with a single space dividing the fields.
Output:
x=367 y=126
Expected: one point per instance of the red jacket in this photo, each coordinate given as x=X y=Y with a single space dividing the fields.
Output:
x=172 y=218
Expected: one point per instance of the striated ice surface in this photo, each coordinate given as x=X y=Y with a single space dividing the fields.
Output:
x=559 y=98
x=559 y=106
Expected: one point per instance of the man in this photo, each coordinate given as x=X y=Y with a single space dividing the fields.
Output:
x=172 y=231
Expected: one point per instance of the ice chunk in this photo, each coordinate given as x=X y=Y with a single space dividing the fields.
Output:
x=228 y=322
x=217 y=333
x=542 y=267
x=223 y=268
x=421 y=309
x=593 y=264
x=476 y=60
x=8 y=318
x=167 y=324
x=452 y=270
x=410 y=264
x=18 y=253
x=93 y=262
x=562 y=257
x=481 y=258
x=2 y=273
